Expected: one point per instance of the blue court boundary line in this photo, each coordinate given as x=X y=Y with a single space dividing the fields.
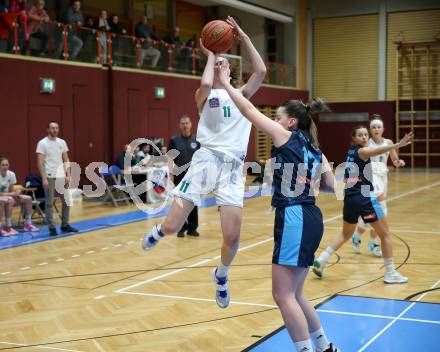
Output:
x=85 y=226
x=267 y=337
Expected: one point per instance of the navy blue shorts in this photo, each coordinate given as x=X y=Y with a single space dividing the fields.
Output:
x=297 y=233
x=368 y=208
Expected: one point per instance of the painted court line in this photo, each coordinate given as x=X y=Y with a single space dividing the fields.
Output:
x=377 y=316
x=124 y=289
x=200 y=299
x=374 y=338
x=39 y=346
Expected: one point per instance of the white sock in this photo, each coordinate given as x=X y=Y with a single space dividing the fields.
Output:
x=304 y=346
x=28 y=220
x=389 y=265
x=326 y=254
x=319 y=339
x=222 y=270
x=8 y=222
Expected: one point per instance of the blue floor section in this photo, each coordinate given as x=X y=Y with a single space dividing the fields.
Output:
x=24 y=238
x=367 y=324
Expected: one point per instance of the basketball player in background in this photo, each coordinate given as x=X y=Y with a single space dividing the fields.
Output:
x=217 y=166
x=380 y=182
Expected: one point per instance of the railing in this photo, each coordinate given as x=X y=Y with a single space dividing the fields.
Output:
x=64 y=42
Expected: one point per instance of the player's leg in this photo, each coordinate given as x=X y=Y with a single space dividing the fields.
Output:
x=230 y=217
x=392 y=276
x=320 y=263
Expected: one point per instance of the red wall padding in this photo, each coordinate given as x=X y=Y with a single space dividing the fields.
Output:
x=99 y=110
x=335 y=137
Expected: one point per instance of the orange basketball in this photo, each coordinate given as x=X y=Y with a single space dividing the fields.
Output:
x=217 y=36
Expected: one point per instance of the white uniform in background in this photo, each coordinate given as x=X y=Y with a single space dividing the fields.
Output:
x=380 y=170
x=217 y=167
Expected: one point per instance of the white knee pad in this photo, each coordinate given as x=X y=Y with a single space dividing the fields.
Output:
x=383 y=204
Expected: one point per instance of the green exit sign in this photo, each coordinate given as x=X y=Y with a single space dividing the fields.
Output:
x=47 y=85
x=159 y=92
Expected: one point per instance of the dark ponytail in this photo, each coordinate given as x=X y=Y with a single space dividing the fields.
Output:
x=303 y=114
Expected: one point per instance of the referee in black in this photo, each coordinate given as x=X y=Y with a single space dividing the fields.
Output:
x=186 y=144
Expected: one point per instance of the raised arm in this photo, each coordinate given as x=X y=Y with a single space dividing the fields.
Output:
x=207 y=79
x=366 y=152
x=258 y=66
x=394 y=157
x=276 y=131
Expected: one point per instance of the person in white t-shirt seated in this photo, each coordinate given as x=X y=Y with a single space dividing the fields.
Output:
x=11 y=198
x=143 y=156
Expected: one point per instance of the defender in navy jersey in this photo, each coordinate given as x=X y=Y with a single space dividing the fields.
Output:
x=379 y=165
x=298 y=228
x=360 y=201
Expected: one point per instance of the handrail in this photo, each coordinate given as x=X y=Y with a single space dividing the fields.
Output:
x=130 y=51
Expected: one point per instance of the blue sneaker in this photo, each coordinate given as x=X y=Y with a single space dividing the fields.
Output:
x=222 y=296
x=152 y=238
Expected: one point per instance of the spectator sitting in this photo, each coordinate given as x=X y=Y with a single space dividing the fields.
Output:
x=38 y=19
x=144 y=155
x=75 y=19
x=143 y=31
x=116 y=27
x=103 y=26
x=120 y=158
x=11 y=198
x=6 y=26
x=173 y=37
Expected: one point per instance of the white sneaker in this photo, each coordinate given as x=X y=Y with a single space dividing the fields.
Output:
x=318 y=268
x=356 y=242
x=374 y=248
x=330 y=348
x=394 y=277
x=222 y=296
x=152 y=238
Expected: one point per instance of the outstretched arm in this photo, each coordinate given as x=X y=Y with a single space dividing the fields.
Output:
x=258 y=66
x=207 y=79
x=394 y=157
x=366 y=152
x=276 y=131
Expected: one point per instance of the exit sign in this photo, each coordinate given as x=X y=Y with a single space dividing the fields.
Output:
x=159 y=92
x=47 y=85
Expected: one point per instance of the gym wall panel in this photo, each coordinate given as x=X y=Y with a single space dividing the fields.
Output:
x=345 y=58
x=99 y=110
x=414 y=26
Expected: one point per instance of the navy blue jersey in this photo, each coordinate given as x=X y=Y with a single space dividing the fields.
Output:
x=295 y=171
x=358 y=180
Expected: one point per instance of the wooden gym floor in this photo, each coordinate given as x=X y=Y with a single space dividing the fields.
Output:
x=99 y=291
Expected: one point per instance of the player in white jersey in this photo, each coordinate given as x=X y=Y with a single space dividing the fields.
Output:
x=217 y=166
x=380 y=182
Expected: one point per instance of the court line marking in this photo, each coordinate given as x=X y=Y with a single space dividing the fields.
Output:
x=378 y=316
x=39 y=346
x=201 y=299
x=275 y=306
x=374 y=338
x=124 y=289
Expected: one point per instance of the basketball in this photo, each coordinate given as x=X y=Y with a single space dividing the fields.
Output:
x=217 y=36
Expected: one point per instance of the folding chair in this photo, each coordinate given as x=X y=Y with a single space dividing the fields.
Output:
x=116 y=190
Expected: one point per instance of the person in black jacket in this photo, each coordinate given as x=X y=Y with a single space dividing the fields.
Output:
x=186 y=144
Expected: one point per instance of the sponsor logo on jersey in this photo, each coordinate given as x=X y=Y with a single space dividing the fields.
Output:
x=214 y=103
x=370 y=216
x=193 y=145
